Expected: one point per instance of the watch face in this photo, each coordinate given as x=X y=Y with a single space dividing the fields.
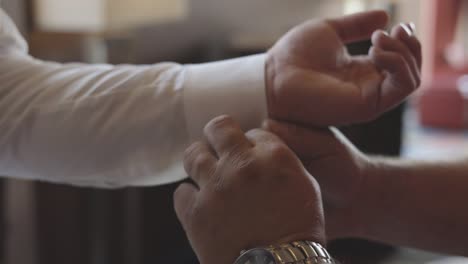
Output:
x=256 y=256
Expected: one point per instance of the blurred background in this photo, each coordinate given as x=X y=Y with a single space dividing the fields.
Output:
x=45 y=223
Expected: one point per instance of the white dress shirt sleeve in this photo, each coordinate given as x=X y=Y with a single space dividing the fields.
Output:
x=113 y=126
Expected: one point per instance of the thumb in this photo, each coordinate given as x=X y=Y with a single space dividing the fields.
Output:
x=184 y=198
x=307 y=143
x=359 y=26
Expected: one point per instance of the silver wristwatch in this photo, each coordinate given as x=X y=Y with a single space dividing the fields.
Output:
x=303 y=252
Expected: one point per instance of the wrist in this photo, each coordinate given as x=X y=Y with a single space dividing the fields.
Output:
x=358 y=213
x=303 y=251
x=316 y=237
x=370 y=203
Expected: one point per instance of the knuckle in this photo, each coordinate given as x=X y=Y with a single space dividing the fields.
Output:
x=202 y=160
x=234 y=150
x=243 y=163
x=279 y=152
x=196 y=160
x=192 y=151
x=239 y=167
x=263 y=136
x=239 y=162
x=254 y=133
x=219 y=123
x=202 y=165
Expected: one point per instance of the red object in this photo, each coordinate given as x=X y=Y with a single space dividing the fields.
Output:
x=441 y=104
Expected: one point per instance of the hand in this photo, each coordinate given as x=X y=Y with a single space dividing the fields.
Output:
x=312 y=80
x=338 y=166
x=252 y=192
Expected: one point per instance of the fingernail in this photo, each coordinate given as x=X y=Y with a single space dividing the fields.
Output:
x=407 y=29
x=383 y=32
x=412 y=26
x=377 y=34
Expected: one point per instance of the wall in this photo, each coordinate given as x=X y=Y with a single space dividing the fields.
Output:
x=274 y=17
x=105 y=15
x=122 y=12
x=410 y=11
x=257 y=16
x=211 y=23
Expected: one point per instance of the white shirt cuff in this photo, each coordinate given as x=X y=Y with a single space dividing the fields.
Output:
x=233 y=87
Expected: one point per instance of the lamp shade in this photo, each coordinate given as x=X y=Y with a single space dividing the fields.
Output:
x=105 y=15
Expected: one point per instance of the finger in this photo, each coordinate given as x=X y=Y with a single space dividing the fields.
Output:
x=184 y=198
x=260 y=136
x=359 y=26
x=200 y=163
x=272 y=147
x=398 y=83
x=405 y=32
x=411 y=27
x=225 y=135
x=411 y=41
x=307 y=143
x=382 y=41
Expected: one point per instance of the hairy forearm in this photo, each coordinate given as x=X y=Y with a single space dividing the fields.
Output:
x=415 y=204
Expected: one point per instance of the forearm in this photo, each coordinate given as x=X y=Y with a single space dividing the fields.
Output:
x=116 y=126
x=93 y=125
x=416 y=204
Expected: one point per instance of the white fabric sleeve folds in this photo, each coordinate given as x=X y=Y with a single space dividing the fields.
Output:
x=235 y=88
x=113 y=126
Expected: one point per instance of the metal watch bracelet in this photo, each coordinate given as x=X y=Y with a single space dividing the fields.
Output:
x=304 y=252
